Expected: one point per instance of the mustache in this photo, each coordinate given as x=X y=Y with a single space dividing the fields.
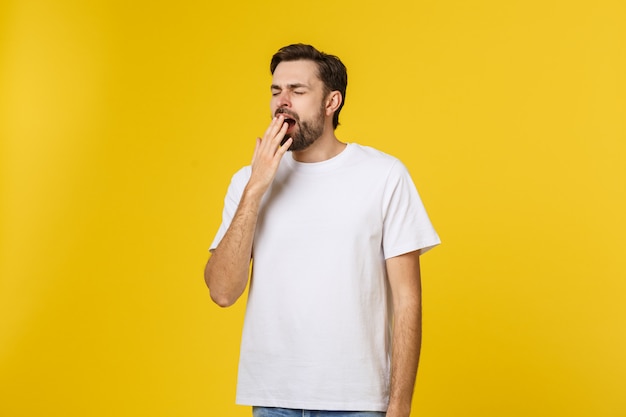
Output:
x=287 y=112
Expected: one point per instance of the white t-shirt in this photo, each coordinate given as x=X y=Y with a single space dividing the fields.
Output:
x=317 y=330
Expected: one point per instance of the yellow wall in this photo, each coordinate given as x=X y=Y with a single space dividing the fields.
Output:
x=122 y=122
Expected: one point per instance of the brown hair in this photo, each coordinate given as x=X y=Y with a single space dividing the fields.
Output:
x=330 y=69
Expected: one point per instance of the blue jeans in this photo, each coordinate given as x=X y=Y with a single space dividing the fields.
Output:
x=288 y=412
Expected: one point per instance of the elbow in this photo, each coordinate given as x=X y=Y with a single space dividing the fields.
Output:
x=221 y=299
x=222 y=291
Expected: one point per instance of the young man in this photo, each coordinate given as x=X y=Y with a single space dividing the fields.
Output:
x=334 y=232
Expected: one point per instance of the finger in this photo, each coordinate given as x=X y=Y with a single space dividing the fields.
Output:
x=277 y=126
x=282 y=149
x=270 y=132
x=273 y=127
x=278 y=137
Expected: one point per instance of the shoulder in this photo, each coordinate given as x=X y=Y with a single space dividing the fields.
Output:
x=242 y=175
x=367 y=152
x=239 y=180
x=376 y=159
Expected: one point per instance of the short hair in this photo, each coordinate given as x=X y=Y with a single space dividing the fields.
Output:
x=330 y=69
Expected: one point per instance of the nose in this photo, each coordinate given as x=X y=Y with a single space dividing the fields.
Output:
x=282 y=99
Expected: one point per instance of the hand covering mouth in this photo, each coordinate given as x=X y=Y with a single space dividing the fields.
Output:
x=291 y=120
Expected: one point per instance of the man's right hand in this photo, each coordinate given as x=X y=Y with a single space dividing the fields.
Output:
x=226 y=273
x=267 y=155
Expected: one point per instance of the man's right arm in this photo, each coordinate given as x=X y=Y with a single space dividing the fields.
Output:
x=226 y=272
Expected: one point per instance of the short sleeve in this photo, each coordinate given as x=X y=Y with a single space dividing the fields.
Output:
x=406 y=225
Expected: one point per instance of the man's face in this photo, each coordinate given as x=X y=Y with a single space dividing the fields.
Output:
x=298 y=93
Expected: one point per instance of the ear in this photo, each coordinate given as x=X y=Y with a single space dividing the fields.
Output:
x=333 y=101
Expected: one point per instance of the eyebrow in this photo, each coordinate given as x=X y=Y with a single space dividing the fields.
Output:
x=289 y=86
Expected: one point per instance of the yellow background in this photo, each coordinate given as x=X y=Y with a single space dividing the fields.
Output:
x=122 y=122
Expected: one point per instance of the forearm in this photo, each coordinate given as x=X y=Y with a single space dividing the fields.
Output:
x=226 y=273
x=405 y=281
x=406 y=345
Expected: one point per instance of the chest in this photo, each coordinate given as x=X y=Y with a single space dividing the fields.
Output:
x=345 y=206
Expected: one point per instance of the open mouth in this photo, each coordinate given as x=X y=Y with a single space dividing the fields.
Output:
x=291 y=122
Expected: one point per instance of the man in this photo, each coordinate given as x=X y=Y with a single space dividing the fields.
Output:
x=334 y=232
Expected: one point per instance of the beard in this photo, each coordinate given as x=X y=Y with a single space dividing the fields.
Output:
x=306 y=131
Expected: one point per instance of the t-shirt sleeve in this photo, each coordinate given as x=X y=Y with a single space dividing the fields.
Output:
x=406 y=225
x=231 y=202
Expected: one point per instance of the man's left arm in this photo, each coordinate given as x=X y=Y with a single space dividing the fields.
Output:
x=404 y=278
